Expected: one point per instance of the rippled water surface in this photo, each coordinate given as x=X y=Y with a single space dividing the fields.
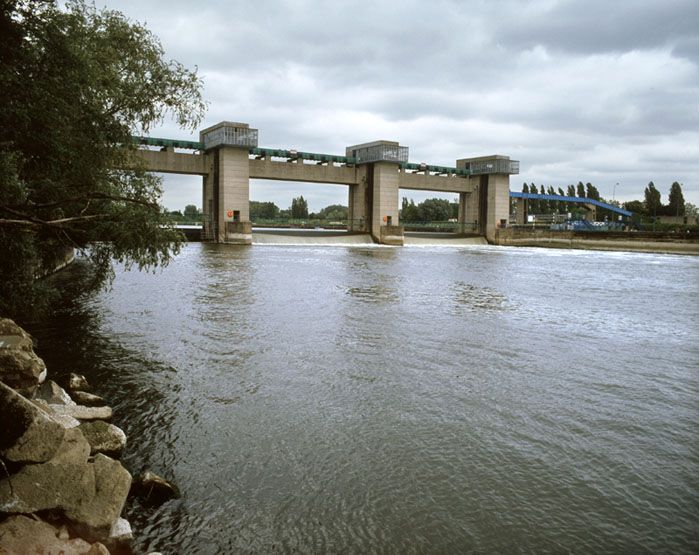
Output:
x=414 y=400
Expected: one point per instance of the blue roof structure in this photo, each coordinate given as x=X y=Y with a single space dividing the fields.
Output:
x=578 y=200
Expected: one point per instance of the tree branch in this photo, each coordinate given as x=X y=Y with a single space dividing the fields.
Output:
x=88 y=197
x=36 y=223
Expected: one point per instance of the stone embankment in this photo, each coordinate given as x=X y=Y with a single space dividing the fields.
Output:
x=62 y=489
x=669 y=243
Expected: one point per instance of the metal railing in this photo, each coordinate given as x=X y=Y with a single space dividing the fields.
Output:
x=308 y=223
x=496 y=165
x=440 y=226
x=381 y=153
x=227 y=135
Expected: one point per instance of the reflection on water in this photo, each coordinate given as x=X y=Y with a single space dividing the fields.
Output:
x=374 y=294
x=401 y=400
x=473 y=297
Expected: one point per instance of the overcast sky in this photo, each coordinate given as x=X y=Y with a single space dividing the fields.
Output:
x=591 y=90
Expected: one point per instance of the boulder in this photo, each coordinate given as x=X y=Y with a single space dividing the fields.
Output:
x=98 y=549
x=87 y=399
x=94 y=516
x=20 y=368
x=75 y=448
x=50 y=485
x=22 y=534
x=27 y=434
x=53 y=394
x=78 y=382
x=81 y=412
x=90 y=494
x=104 y=438
x=153 y=489
x=120 y=532
x=64 y=420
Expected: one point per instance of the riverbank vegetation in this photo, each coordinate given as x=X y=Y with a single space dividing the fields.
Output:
x=76 y=83
x=648 y=213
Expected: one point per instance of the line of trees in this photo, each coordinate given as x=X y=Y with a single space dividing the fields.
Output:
x=540 y=206
x=297 y=211
x=429 y=210
x=650 y=206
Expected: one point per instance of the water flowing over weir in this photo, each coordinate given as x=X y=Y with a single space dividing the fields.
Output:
x=272 y=236
x=365 y=398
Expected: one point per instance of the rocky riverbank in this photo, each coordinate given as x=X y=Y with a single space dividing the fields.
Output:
x=62 y=487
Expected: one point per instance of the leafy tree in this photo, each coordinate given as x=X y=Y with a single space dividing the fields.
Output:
x=562 y=205
x=191 y=210
x=263 y=210
x=434 y=210
x=652 y=200
x=581 y=189
x=676 y=205
x=75 y=84
x=525 y=188
x=334 y=212
x=299 y=208
x=408 y=211
x=571 y=191
x=534 y=204
x=544 y=205
x=591 y=191
x=635 y=206
x=691 y=210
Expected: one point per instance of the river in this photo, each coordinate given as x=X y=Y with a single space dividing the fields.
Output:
x=354 y=399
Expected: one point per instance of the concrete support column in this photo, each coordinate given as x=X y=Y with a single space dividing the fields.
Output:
x=522 y=211
x=498 y=204
x=385 y=227
x=468 y=211
x=208 y=232
x=359 y=215
x=232 y=179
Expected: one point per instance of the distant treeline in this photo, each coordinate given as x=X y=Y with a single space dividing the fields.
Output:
x=651 y=205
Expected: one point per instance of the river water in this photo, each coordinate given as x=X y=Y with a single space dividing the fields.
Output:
x=345 y=399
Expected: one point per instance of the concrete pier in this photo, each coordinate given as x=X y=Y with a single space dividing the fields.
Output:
x=227 y=157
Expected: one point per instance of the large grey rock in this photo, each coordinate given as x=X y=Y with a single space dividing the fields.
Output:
x=104 y=438
x=20 y=368
x=27 y=434
x=75 y=448
x=81 y=412
x=121 y=531
x=50 y=485
x=63 y=481
x=87 y=399
x=96 y=515
x=153 y=489
x=21 y=534
x=78 y=382
x=90 y=494
x=64 y=420
x=53 y=394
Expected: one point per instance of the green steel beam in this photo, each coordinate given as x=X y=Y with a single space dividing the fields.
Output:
x=176 y=143
x=290 y=154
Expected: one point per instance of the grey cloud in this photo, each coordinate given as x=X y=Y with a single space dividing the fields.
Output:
x=602 y=26
x=594 y=90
